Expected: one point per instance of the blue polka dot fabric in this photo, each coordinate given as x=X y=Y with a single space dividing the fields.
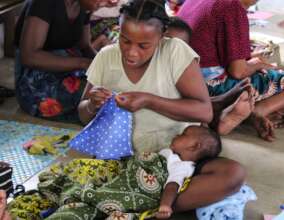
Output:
x=108 y=135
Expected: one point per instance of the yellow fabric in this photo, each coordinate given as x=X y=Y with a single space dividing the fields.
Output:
x=171 y=58
x=48 y=144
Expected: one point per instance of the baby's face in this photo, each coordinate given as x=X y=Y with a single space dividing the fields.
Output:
x=184 y=146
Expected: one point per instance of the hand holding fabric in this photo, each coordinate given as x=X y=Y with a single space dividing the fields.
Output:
x=98 y=96
x=132 y=101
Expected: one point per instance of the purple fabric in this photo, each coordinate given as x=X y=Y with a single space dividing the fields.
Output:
x=220 y=30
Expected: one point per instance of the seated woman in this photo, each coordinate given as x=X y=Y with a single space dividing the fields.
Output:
x=230 y=108
x=161 y=83
x=53 y=42
x=220 y=35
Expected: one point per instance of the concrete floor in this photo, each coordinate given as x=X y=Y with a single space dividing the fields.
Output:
x=263 y=161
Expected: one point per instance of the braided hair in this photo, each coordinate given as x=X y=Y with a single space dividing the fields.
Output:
x=146 y=10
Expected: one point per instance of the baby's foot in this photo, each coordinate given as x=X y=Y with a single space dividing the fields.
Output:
x=233 y=115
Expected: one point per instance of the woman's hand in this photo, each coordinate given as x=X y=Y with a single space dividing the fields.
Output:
x=260 y=64
x=98 y=96
x=132 y=101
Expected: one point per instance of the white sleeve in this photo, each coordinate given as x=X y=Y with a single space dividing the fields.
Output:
x=178 y=170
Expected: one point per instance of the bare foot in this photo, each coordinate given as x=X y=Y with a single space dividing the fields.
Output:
x=263 y=126
x=4 y=215
x=233 y=115
x=277 y=118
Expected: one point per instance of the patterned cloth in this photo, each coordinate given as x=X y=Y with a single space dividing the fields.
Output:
x=105 y=26
x=231 y=208
x=50 y=95
x=129 y=187
x=266 y=85
x=108 y=135
x=122 y=190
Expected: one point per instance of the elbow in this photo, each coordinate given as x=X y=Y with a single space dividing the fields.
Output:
x=237 y=73
x=208 y=117
x=207 y=113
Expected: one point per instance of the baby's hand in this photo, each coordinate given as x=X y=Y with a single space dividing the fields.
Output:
x=164 y=212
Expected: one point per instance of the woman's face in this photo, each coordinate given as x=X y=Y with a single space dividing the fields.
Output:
x=93 y=5
x=138 y=41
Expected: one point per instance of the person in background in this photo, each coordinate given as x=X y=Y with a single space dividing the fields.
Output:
x=230 y=108
x=4 y=215
x=173 y=6
x=53 y=53
x=220 y=35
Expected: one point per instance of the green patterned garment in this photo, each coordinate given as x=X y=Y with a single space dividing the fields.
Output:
x=95 y=189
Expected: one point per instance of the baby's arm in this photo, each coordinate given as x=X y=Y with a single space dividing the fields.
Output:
x=178 y=170
x=168 y=197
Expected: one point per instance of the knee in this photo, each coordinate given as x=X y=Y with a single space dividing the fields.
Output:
x=234 y=176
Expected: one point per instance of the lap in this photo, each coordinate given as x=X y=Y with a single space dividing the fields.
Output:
x=49 y=94
x=212 y=165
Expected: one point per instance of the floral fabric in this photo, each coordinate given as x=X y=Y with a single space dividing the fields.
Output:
x=50 y=95
x=265 y=84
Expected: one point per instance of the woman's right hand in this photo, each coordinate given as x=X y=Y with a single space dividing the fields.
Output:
x=98 y=96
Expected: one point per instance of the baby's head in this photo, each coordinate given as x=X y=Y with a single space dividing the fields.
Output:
x=196 y=143
x=179 y=29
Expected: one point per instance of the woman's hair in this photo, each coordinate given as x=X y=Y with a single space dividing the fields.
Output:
x=146 y=10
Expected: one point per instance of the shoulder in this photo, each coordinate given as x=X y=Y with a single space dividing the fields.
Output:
x=227 y=5
x=111 y=52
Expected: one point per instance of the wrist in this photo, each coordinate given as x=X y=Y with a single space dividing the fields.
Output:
x=148 y=100
x=91 y=109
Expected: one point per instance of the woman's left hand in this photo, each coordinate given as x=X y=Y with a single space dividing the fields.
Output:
x=132 y=101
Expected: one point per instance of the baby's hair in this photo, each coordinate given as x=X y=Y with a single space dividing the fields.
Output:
x=211 y=144
x=146 y=10
x=177 y=23
x=215 y=147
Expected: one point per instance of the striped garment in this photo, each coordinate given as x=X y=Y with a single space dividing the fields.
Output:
x=6 y=177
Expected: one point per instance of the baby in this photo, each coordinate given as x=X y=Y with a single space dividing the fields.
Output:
x=194 y=144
